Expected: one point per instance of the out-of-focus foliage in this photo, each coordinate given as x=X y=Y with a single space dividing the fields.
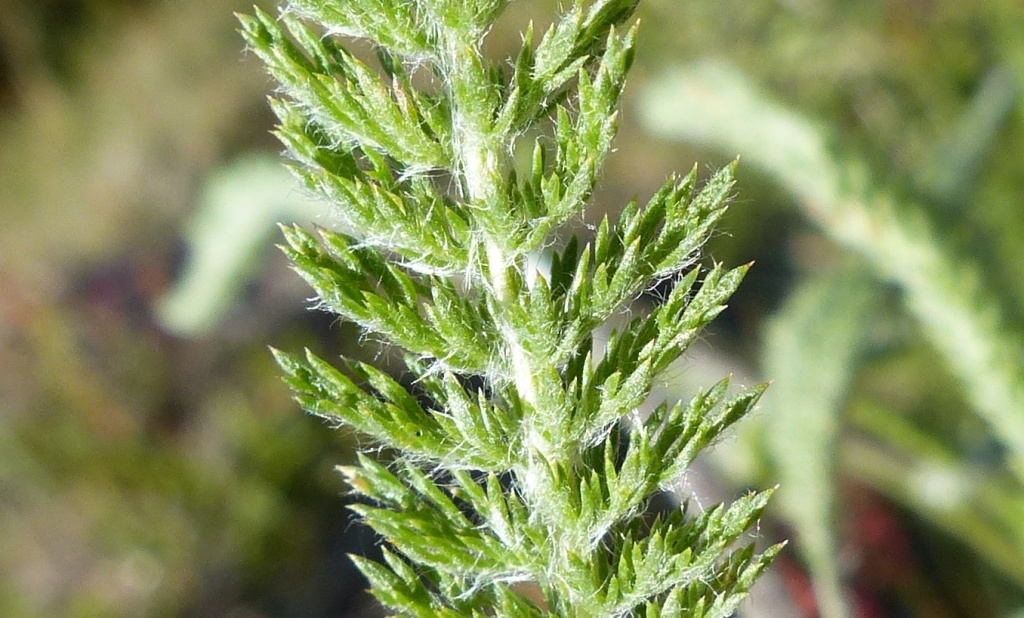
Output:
x=141 y=474
x=891 y=134
x=812 y=346
x=238 y=210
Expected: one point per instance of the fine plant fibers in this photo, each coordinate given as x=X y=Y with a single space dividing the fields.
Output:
x=513 y=484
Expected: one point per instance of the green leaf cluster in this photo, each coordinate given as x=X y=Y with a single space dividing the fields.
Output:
x=521 y=462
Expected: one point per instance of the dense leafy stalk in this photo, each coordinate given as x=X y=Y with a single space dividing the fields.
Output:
x=514 y=468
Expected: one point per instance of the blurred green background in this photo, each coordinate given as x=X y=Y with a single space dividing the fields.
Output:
x=151 y=462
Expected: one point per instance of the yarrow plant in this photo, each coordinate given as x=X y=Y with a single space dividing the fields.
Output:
x=520 y=469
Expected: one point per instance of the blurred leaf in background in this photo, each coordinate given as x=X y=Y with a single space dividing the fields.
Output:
x=144 y=474
x=236 y=215
x=888 y=124
x=812 y=347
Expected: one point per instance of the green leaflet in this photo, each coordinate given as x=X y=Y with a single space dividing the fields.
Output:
x=814 y=345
